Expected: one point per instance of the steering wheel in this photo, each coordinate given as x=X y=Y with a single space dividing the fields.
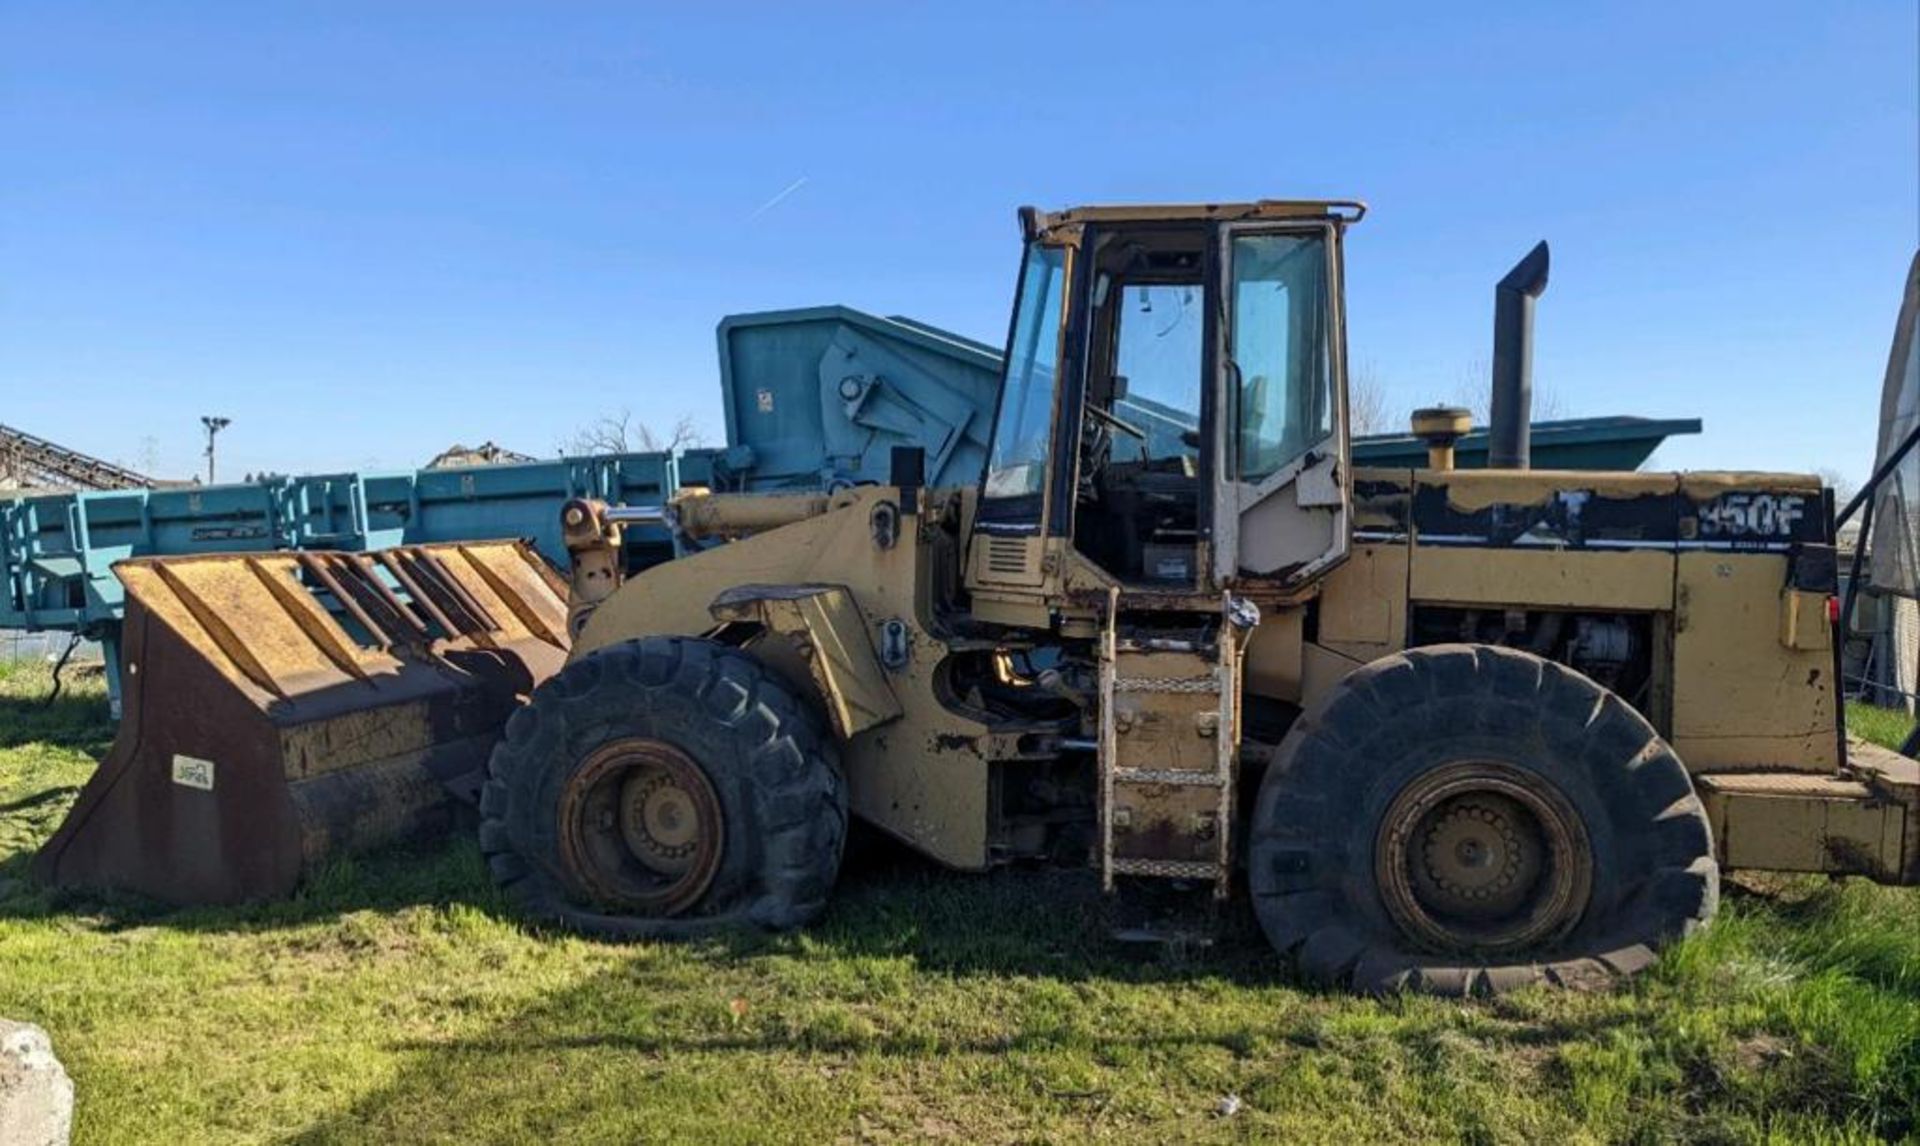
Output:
x=1127 y=428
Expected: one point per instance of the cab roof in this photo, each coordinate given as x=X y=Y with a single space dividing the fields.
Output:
x=1345 y=211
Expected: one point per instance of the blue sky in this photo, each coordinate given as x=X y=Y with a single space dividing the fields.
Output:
x=367 y=230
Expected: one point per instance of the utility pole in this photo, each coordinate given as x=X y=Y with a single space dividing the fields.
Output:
x=214 y=425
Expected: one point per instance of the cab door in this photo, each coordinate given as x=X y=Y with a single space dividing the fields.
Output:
x=1282 y=495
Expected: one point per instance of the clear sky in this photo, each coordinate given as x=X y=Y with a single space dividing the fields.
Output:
x=365 y=231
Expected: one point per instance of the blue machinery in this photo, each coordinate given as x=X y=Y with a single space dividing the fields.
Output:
x=814 y=398
x=57 y=551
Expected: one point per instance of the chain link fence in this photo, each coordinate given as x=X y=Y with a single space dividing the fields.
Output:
x=22 y=648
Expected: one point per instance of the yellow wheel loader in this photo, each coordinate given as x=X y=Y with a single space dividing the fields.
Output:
x=1453 y=731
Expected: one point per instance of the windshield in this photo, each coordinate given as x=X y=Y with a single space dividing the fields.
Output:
x=1017 y=465
x=1158 y=353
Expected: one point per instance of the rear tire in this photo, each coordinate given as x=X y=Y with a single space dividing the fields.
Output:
x=1465 y=820
x=667 y=787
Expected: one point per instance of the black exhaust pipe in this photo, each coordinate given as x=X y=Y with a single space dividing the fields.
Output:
x=1509 y=436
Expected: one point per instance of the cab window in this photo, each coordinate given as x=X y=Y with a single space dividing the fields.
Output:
x=1278 y=369
x=1158 y=357
x=1017 y=464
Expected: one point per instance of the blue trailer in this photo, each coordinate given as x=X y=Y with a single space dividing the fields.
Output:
x=57 y=550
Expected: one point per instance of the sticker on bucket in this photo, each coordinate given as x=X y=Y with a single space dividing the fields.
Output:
x=193 y=772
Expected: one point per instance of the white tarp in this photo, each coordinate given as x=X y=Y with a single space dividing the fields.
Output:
x=1896 y=529
x=1895 y=545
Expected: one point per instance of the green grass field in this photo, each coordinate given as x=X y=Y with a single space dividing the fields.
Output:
x=397 y=1001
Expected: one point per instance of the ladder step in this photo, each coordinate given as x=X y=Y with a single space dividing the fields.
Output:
x=1160 y=645
x=1165 y=869
x=1203 y=684
x=1186 y=776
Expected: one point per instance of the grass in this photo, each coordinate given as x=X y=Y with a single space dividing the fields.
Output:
x=396 y=1000
x=1888 y=726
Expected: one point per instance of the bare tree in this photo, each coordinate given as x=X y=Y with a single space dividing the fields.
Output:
x=1843 y=488
x=1367 y=401
x=619 y=433
x=1548 y=404
x=1473 y=390
x=607 y=434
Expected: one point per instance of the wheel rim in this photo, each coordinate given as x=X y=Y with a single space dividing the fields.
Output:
x=1483 y=856
x=641 y=828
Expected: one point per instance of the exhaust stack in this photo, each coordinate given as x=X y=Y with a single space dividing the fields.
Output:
x=1509 y=441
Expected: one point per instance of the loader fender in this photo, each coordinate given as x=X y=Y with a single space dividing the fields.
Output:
x=829 y=633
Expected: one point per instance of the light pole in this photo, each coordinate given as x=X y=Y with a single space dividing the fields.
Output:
x=214 y=425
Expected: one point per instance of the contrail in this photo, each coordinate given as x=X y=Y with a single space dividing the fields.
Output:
x=775 y=201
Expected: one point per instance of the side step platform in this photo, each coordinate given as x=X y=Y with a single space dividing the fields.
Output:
x=1864 y=821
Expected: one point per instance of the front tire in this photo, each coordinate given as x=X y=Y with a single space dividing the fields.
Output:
x=667 y=787
x=1466 y=819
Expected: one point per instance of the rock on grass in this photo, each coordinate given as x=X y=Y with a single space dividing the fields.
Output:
x=36 y=1096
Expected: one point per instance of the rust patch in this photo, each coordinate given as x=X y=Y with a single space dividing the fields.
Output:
x=1849 y=855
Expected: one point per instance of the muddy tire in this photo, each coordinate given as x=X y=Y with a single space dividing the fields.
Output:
x=664 y=788
x=1465 y=820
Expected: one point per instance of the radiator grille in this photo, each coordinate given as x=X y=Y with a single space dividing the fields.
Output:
x=1007 y=556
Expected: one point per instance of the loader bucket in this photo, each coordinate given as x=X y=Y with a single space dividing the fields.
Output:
x=284 y=708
